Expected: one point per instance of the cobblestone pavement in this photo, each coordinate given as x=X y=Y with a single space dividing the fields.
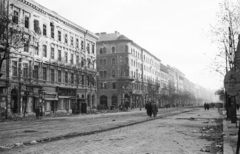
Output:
x=21 y=131
x=179 y=134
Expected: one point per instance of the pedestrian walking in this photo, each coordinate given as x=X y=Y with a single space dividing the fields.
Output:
x=205 y=106
x=148 y=107
x=154 y=109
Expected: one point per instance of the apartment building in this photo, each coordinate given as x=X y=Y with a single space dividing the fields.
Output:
x=125 y=69
x=56 y=68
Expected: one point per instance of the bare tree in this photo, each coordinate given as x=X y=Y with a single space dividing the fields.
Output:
x=225 y=34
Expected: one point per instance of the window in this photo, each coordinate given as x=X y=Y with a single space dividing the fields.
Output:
x=59 y=36
x=44 y=73
x=59 y=76
x=113 y=49
x=44 y=51
x=72 y=78
x=25 y=49
x=66 y=57
x=88 y=48
x=113 y=61
x=52 y=75
x=26 y=23
x=25 y=70
x=36 y=26
x=93 y=48
x=101 y=51
x=104 y=61
x=114 y=85
x=35 y=72
x=71 y=58
x=126 y=60
x=52 y=30
x=66 y=38
x=101 y=61
x=52 y=53
x=15 y=17
x=104 y=50
x=77 y=43
x=82 y=45
x=66 y=77
x=71 y=40
x=105 y=74
x=126 y=48
x=59 y=55
x=77 y=59
x=44 y=30
x=101 y=74
x=14 y=68
x=82 y=79
x=113 y=73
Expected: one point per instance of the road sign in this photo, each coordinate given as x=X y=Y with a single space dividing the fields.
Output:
x=232 y=83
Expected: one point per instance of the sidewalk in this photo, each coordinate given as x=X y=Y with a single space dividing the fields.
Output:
x=230 y=135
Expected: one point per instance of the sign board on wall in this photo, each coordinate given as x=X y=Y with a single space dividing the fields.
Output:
x=232 y=83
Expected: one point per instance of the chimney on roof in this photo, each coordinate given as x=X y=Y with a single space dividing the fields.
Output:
x=116 y=32
x=103 y=33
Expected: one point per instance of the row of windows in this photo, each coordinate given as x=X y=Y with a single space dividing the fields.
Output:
x=54 y=75
x=113 y=85
x=36 y=27
x=64 y=57
x=103 y=50
x=113 y=61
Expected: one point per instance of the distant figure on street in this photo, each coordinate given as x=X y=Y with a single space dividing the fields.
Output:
x=37 y=111
x=205 y=106
x=154 y=109
x=148 y=107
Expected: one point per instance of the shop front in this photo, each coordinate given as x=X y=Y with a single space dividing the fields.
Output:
x=66 y=99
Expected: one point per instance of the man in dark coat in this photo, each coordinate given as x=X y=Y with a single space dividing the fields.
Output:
x=148 y=107
x=205 y=106
x=154 y=109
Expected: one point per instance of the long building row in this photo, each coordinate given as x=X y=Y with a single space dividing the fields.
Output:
x=63 y=67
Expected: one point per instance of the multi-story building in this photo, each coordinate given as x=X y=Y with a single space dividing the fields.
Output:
x=56 y=68
x=124 y=70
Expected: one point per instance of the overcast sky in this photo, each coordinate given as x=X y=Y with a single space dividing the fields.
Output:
x=176 y=31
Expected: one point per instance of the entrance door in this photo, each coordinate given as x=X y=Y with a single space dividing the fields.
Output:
x=84 y=108
x=52 y=106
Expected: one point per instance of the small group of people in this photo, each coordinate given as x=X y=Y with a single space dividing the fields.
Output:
x=151 y=108
x=206 y=106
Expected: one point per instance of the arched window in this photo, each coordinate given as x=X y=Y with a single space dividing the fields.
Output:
x=104 y=50
x=126 y=48
x=113 y=73
x=126 y=60
x=113 y=61
x=101 y=74
x=131 y=62
x=105 y=74
x=113 y=49
x=101 y=51
x=104 y=61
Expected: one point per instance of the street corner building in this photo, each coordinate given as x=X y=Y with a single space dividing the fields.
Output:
x=129 y=75
x=52 y=64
